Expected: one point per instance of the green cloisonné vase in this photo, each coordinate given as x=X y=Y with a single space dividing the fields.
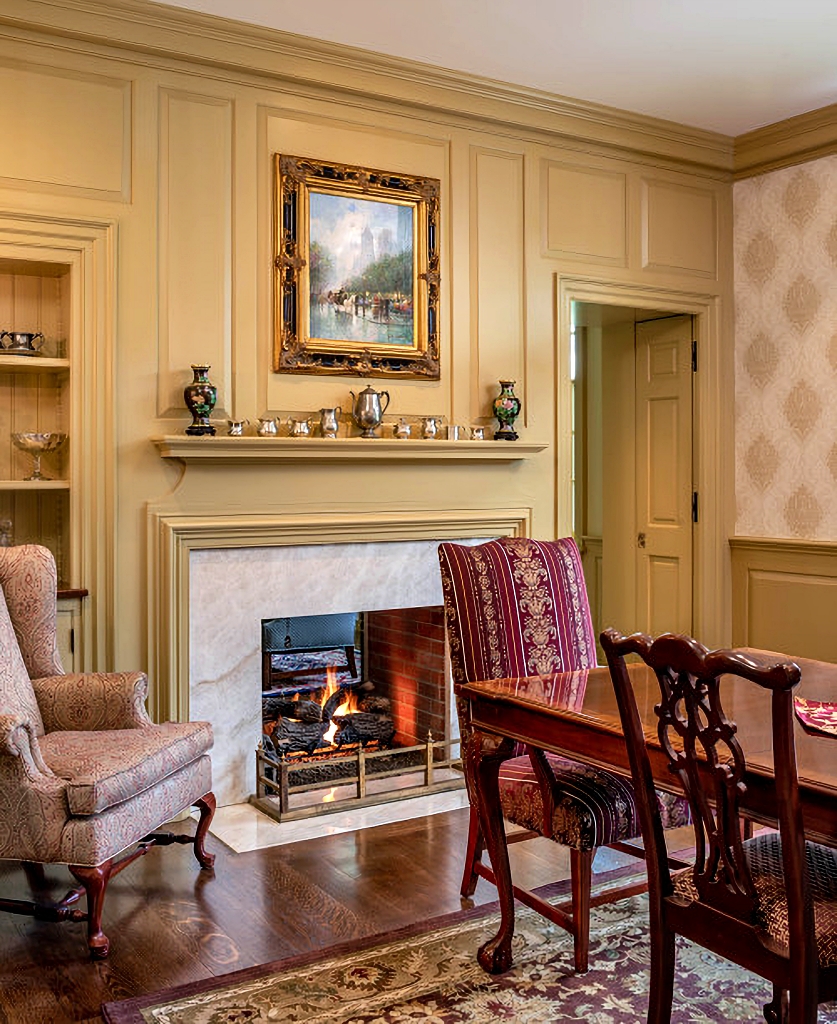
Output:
x=506 y=408
x=200 y=397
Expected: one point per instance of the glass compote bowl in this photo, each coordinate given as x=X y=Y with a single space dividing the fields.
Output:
x=37 y=445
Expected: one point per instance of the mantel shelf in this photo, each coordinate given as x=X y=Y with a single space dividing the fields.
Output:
x=358 y=449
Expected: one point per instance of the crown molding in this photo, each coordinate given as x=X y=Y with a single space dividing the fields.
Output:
x=247 y=51
x=795 y=140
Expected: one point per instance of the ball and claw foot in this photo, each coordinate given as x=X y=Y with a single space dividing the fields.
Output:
x=495 y=956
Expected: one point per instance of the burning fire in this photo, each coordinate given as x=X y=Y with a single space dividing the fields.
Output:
x=348 y=705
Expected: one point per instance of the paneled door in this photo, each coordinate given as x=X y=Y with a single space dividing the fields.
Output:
x=664 y=478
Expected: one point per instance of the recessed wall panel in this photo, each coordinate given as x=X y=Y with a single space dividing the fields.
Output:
x=497 y=275
x=585 y=216
x=680 y=229
x=195 y=245
x=66 y=131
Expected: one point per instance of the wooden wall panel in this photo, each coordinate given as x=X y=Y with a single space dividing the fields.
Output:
x=497 y=276
x=70 y=131
x=195 y=268
x=679 y=228
x=586 y=214
x=785 y=596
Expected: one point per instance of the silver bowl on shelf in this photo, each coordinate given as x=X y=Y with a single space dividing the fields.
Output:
x=38 y=444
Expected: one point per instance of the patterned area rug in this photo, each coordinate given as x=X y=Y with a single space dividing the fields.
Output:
x=430 y=975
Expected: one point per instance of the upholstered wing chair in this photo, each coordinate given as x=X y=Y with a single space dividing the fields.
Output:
x=85 y=775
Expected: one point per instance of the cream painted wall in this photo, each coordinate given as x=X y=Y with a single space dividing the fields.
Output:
x=152 y=124
x=786 y=352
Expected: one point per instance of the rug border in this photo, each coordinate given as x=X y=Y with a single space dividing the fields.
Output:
x=126 y=1011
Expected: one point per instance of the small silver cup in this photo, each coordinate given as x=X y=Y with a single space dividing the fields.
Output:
x=453 y=432
x=477 y=433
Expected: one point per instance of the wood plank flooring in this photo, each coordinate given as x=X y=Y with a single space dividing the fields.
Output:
x=170 y=923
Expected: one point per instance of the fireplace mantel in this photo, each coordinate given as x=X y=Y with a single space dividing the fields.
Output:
x=239 y=450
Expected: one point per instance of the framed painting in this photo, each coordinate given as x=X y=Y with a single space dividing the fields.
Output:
x=357 y=271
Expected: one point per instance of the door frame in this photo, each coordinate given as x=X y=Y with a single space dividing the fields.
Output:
x=713 y=434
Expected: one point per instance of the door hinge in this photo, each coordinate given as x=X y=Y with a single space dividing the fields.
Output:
x=694 y=506
x=694 y=356
x=72 y=641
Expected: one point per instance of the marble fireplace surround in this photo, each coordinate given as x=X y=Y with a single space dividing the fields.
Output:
x=214 y=578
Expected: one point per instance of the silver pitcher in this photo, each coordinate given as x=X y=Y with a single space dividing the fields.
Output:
x=299 y=428
x=330 y=421
x=368 y=410
x=236 y=427
x=268 y=427
x=430 y=427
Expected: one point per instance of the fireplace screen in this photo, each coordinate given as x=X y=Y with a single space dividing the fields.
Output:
x=356 y=705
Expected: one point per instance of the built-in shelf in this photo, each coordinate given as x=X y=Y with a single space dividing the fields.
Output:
x=241 y=450
x=34 y=485
x=32 y=364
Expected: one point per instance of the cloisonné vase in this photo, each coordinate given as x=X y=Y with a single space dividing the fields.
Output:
x=506 y=410
x=200 y=397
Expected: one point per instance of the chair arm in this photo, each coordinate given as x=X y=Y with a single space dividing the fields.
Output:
x=86 y=701
x=19 y=741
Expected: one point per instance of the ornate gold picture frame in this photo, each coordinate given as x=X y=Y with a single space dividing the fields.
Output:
x=357 y=271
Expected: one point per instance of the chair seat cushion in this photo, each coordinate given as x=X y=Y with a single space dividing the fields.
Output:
x=106 y=767
x=764 y=856
x=592 y=807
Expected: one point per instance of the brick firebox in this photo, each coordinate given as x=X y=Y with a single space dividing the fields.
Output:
x=405 y=659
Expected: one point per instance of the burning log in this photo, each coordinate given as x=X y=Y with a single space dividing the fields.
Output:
x=364 y=727
x=291 y=734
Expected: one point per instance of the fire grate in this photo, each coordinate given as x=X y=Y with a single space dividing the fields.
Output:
x=359 y=772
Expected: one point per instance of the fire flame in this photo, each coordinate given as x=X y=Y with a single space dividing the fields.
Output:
x=348 y=705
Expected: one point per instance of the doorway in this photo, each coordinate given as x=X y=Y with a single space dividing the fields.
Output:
x=634 y=500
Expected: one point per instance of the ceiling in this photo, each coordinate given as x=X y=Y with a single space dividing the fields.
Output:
x=724 y=65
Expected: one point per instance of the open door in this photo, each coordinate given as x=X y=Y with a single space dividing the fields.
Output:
x=633 y=456
x=664 y=489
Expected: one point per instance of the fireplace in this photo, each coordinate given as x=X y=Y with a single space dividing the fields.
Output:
x=214 y=578
x=354 y=710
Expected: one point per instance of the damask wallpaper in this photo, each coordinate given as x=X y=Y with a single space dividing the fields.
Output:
x=786 y=352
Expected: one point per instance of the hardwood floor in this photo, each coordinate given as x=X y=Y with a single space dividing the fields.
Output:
x=170 y=923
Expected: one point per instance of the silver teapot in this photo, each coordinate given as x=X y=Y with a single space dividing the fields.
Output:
x=368 y=410
x=299 y=428
x=268 y=427
x=330 y=421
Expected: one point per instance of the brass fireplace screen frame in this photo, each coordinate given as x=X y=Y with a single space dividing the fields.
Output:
x=278 y=805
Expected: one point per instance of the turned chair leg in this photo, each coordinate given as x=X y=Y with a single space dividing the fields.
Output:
x=206 y=805
x=95 y=882
x=473 y=855
x=581 y=876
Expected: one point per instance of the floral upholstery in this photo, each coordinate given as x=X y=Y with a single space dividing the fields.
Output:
x=107 y=767
x=93 y=700
x=596 y=808
x=84 y=772
x=764 y=858
x=29 y=580
x=17 y=698
x=516 y=607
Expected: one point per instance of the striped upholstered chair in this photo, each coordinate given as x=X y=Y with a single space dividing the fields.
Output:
x=85 y=775
x=517 y=607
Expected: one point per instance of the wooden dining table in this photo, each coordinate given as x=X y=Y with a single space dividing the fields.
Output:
x=575 y=714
